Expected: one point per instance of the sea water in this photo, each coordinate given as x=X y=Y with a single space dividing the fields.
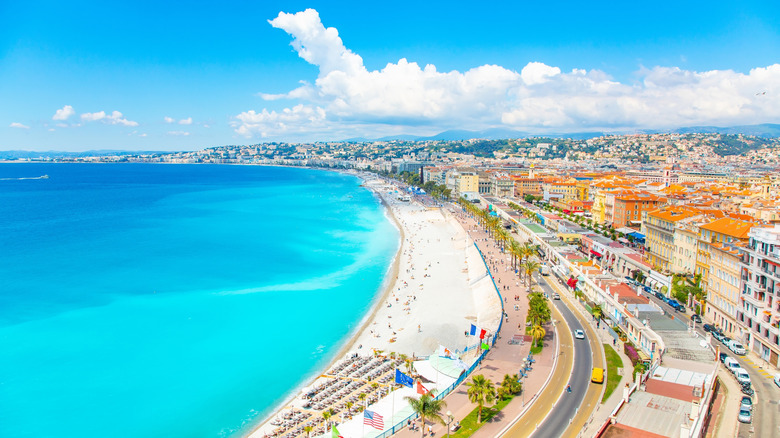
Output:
x=150 y=300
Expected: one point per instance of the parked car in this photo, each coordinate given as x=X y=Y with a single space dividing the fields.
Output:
x=744 y=416
x=579 y=334
x=696 y=318
x=746 y=403
x=731 y=364
x=707 y=327
x=777 y=380
x=723 y=357
x=717 y=335
x=737 y=348
x=556 y=296
x=742 y=376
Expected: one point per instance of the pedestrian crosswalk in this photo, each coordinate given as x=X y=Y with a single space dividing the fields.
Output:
x=759 y=368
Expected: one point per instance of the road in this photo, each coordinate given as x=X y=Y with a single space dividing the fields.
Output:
x=569 y=404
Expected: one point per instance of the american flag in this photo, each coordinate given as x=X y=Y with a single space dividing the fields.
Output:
x=373 y=419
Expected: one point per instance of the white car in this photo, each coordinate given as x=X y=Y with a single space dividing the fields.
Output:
x=737 y=348
x=777 y=380
x=744 y=416
x=579 y=334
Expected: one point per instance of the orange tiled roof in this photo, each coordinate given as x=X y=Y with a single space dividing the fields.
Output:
x=730 y=227
x=674 y=214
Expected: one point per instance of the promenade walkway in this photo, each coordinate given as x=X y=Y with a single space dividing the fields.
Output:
x=503 y=358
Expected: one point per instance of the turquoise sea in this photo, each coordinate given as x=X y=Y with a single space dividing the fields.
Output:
x=151 y=300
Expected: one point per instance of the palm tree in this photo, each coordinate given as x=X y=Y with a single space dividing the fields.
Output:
x=537 y=332
x=326 y=415
x=514 y=249
x=362 y=397
x=481 y=392
x=598 y=313
x=509 y=386
x=502 y=235
x=427 y=408
x=308 y=430
x=529 y=267
x=349 y=405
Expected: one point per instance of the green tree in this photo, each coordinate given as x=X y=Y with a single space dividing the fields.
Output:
x=481 y=392
x=427 y=408
x=509 y=386
x=514 y=250
x=537 y=333
x=529 y=267
x=538 y=309
x=598 y=313
x=326 y=414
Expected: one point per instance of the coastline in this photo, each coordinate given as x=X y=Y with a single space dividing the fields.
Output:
x=387 y=285
x=451 y=290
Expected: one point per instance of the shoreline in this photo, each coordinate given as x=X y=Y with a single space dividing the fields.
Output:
x=352 y=338
x=437 y=282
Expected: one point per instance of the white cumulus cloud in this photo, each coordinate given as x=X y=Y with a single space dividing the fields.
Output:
x=179 y=133
x=18 y=125
x=63 y=113
x=346 y=95
x=267 y=123
x=187 y=121
x=115 y=118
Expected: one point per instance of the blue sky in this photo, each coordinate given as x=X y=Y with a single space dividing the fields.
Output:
x=154 y=76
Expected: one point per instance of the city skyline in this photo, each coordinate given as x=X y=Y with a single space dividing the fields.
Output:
x=159 y=78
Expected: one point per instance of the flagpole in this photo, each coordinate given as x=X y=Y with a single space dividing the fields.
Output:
x=392 y=410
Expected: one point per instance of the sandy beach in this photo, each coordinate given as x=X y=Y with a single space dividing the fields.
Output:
x=439 y=286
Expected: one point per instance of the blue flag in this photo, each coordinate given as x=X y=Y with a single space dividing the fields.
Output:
x=403 y=379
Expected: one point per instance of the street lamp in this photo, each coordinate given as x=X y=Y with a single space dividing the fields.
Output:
x=449 y=420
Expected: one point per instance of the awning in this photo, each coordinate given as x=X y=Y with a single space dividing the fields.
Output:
x=643 y=357
x=595 y=253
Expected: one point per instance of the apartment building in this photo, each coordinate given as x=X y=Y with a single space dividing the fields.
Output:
x=502 y=185
x=686 y=238
x=527 y=185
x=759 y=312
x=718 y=241
x=627 y=208
x=658 y=226
x=723 y=286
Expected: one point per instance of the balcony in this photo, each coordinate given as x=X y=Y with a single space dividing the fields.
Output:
x=753 y=300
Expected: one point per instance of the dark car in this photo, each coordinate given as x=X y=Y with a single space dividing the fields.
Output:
x=707 y=327
x=723 y=357
x=696 y=318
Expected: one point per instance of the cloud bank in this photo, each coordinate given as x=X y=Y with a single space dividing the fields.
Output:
x=115 y=118
x=347 y=96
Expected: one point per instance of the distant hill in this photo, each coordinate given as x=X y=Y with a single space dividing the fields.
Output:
x=17 y=154
x=762 y=130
